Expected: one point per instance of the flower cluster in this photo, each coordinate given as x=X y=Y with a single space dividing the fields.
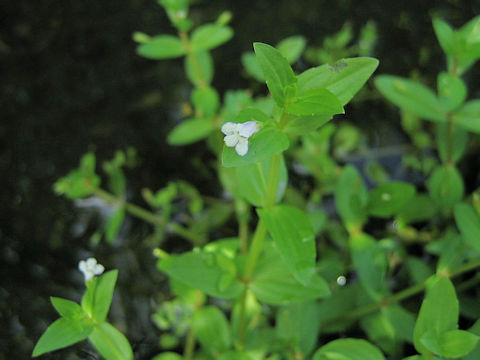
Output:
x=90 y=268
x=236 y=135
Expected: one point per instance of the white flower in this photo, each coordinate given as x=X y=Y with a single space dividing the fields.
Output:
x=90 y=268
x=237 y=135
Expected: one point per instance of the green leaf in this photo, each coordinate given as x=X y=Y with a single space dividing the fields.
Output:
x=212 y=329
x=445 y=186
x=263 y=145
x=114 y=223
x=252 y=67
x=67 y=309
x=206 y=101
x=438 y=313
x=458 y=139
x=190 y=131
x=62 y=333
x=98 y=297
x=110 y=342
x=344 y=84
x=252 y=181
x=168 y=356
x=420 y=207
x=445 y=35
x=451 y=344
x=468 y=116
x=468 y=222
x=162 y=47
x=315 y=102
x=351 y=198
x=341 y=301
x=348 y=349
x=277 y=71
x=292 y=232
x=210 y=36
x=387 y=199
x=199 y=68
x=200 y=270
x=273 y=283
x=294 y=324
x=411 y=96
x=302 y=125
x=451 y=91
x=291 y=48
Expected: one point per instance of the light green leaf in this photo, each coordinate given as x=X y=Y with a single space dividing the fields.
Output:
x=200 y=270
x=468 y=116
x=387 y=199
x=251 y=65
x=212 y=329
x=277 y=71
x=411 y=96
x=445 y=35
x=190 y=131
x=302 y=125
x=273 y=283
x=67 y=309
x=292 y=232
x=351 y=198
x=348 y=349
x=210 y=36
x=315 y=102
x=98 y=297
x=445 y=186
x=262 y=145
x=468 y=222
x=291 y=48
x=453 y=139
x=294 y=324
x=62 y=333
x=451 y=344
x=162 y=47
x=114 y=223
x=110 y=342
x=421 y=207
x=252 y=181
x=344 y=84
x=451 y=91
x=438 y=313
x=206 y=101
x=168 y=356
x=199 y=68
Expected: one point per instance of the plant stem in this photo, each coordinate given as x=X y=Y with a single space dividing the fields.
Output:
x=193 y=57
x=150 y=217
x=402 y=295
x=189 y=344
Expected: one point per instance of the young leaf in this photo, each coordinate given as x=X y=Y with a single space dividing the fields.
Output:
x=199 y=68
x=348 y=349
x=206 y=101
x=468 y=222
x=277 y=71
x=292 y=232
x=273 y=283
x=263 y=145
x=445 y=35
x=451 y=91
x=411 y=96
x=98 y=297
x=315 y=102
x=110 y=342
x=190 y=131
x=212 y=329
x=210 y=36
x=468 y=116
x=344 y=84
x=62 y=333
x=67 y=309
x=445 y=186
x=438 y=313
x=251 y=65
x=162 y=47
x=388 y=198
x=291 y=48
x=114 y=223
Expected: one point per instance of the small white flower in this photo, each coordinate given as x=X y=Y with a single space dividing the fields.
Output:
x=237 y=135
x=90 y=268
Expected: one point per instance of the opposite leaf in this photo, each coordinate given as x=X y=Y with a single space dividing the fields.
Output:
x=348 y=349
x=98 y=297
x=162 y=47
x=468 y=222
x=210 y=36
x=110 y=342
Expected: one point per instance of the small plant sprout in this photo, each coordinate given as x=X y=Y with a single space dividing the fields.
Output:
x=90 y=268
x=236 y=135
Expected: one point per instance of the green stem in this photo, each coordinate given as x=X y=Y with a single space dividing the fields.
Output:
x=402 y=295
x=189 y=344
x=151 y=218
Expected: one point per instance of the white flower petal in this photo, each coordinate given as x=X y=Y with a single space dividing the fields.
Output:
x=231 y=140
x=242 y=147
x=98 y=269
x=229 y=128
x=82 y=266
x=90 y=268
x=247 y=129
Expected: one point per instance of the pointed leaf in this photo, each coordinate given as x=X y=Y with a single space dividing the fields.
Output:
x=190 y=131
x=210 y=36
x=292 y=48
x=98 y=297
x=67 y=309
x=315 y=102
x=110 y=342
x=162 y=47
x=468 y=116
x=468 y=222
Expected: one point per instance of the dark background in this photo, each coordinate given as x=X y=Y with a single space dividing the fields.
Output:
x=71 y=82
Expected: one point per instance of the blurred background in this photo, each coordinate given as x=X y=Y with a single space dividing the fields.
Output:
x=71 y=82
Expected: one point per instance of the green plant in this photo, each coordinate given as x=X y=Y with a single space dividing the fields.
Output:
x=314 y=274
